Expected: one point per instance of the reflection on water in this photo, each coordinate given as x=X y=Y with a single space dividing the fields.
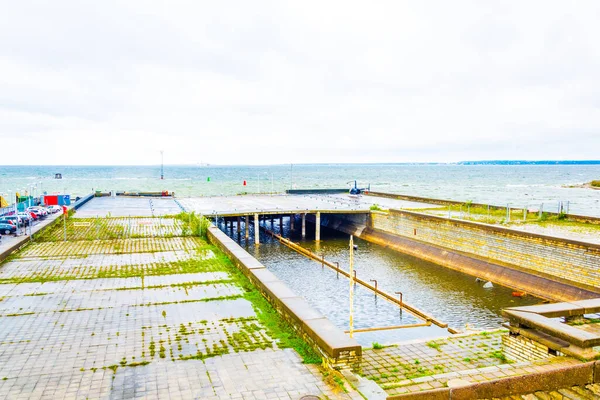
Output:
x=450 y=296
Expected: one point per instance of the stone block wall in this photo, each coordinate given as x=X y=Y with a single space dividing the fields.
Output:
x=572 y=262
x=519 y=348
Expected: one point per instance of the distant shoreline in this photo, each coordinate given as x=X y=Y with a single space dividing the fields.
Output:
x=587 y=185
x=433 y=163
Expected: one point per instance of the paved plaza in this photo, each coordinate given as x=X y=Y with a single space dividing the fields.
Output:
x=139 y=308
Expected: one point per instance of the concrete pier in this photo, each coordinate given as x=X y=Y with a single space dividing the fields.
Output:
x=303 y=225
x=318 y=226
x=256 y=230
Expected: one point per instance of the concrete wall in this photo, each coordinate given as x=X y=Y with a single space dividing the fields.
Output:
x=545 y=381
x=479 y=250
x=337 y=349
x=564 y=260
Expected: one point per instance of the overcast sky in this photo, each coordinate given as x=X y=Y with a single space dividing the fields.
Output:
x=253 y=82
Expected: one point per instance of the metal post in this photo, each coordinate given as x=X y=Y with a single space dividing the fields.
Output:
x=541 y=210
x=400 y=295
x=374 y=280
x=247 y=228
x=303 y=225
x=351 y=309
x=256 y=230
x=318 y=226
x=65 y=225
x=292 y=222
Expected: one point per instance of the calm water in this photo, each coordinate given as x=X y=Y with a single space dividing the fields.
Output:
x=518 y=185
x=450 y=296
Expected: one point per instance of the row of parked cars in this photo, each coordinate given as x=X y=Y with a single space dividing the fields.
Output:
x=10 y=223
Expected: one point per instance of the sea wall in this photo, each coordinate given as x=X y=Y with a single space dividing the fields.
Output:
x=566 y=260
x=552 y=268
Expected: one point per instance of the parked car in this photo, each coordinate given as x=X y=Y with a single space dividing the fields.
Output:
x=40 y=210
x=7 y=229
x=54 y=209
x=26 y=217
x=12 y=220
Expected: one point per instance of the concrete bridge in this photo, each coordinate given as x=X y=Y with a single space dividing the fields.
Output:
x=253 y=208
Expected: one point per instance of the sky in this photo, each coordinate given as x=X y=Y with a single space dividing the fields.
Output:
x=260 y=82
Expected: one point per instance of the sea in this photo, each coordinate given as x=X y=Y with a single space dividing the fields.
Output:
x=514 y=185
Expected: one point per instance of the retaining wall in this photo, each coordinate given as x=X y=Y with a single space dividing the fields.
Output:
x=337 y=349
x=478 y=250
x=568 y=261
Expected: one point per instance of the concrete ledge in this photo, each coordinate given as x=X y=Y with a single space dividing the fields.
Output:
x=552 y=327
x=331 y=338
x=337 y=349
x=559 y=378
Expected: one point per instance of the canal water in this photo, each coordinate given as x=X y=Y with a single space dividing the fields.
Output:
x=450 y=296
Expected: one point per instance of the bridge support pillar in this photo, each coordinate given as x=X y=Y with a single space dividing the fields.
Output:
x=272 y=222
x=246 y=226
x=281 y=225
x=256 y=230
x=292 y=221
x=318 y=226
x=239 y=225
x=303 y=225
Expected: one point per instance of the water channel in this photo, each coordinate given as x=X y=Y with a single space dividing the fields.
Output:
x=450 y=296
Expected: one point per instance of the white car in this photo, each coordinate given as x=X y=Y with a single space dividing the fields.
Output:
x=39 y=209
x=54 y=209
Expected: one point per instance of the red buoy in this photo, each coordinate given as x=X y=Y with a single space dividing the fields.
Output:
x=244 y=183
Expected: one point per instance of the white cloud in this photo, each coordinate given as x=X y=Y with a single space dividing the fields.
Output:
x=279 y=82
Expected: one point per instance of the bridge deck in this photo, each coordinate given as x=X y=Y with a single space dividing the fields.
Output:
x=287 y=204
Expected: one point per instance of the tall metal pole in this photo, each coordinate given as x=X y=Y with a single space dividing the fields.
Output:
x=162 y=166
x=65 y=224
x=351 y=272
